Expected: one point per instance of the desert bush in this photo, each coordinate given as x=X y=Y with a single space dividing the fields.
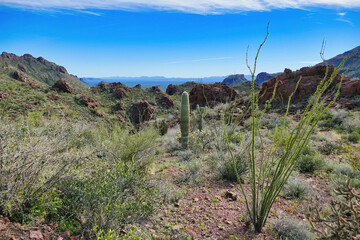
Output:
x=223 y=165
x=329 y=148
x=76 y=175
x=185 y=155
x=295 y=188
x=193 y=171
x=288 y=229
x=353 y=154
x=309 y=163
x=351 y=124
x=343 y=222
x=354 y=137
x=33 y=158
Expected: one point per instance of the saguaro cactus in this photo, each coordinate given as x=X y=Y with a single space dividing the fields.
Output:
x=185 y=119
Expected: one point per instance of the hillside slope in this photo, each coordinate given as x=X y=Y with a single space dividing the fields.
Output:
x=353 y=63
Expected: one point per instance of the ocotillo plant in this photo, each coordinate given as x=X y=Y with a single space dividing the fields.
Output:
x=185 y=119
x=199 y=115
x=269 y=170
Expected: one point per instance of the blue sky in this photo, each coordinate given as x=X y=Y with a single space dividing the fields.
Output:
x=177 y=38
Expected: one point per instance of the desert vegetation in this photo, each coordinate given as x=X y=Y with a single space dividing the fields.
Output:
x=114 y=162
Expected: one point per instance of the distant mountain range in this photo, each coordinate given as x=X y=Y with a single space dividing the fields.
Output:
x=146 y=82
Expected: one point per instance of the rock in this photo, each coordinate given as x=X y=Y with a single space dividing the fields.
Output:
x=172 y=89
x=62 y=86
x=350 y=88
x=66 y=234
x=54 y=97
x=310 y=78
x=119 y=92
x=4 y=96
x=118 y=107
x=36 y=235
x=138 y=86
x=19 y=76
x=89 y=102
x=211 y=94
x=162 y=99
x=231 y=195
x=141 y=112
x=22 y=68
x=234 y=79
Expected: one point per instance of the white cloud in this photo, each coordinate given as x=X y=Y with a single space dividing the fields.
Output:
x=341 y=14
x=191 y=6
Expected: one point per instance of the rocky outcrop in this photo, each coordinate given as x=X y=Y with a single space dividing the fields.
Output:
x=211 y=94
x=263 y=77
x=350 y=88
x=137 y=86
x=179 y=89
x=89 y=102
x=172 y=89
x=119 y=92
x=62 y=86
x=19 y=76
x=141 y=112
x=118 y=107
x=162 y=99
x=310 y=78
x=234 y=79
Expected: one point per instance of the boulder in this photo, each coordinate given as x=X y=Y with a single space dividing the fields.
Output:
x=310 y=79
x=90 y=102
x=19 y=76
x=119 y=92
x=172 y=89
x=162 y=99
x=350 y=88
x=211 y=94
x=141 y=112
x=62 y=86
x=118 y=107
x=138 y=86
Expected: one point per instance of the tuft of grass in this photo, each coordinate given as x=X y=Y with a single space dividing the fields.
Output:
x=292 y=230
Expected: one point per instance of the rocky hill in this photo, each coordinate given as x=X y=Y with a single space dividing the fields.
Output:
x=353 y=64
x=234 y=79
x=263 y=77
x=38 y=70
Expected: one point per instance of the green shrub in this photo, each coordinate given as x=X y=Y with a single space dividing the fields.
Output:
x=309 y=163
x=185 y=156
x=329 y=148
x=224 y=166
x=354 y=137
x=295 y=188
x=292 y=230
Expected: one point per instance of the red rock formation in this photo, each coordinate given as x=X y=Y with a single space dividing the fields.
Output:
x=19 y=76
x=90 y=102
x=62 y=86
x=310 y=79
x=162 y=99
x=350 y=88
x=211 y=94
x=172 y=89
x=141 y=112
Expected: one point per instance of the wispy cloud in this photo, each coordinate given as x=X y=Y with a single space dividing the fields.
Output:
x=341 y=14
x=190 y=6
x=201 y=60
